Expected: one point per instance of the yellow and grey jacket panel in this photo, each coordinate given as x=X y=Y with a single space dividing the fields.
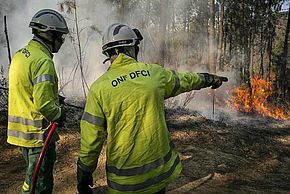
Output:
x=33 y=96
x=128 y=102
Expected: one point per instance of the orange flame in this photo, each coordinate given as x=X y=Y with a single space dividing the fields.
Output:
x=255 y=99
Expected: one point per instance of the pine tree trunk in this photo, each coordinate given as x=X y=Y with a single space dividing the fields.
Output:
x=261 y=70
x=220 y=51
x=162 y=30
x=212 y=68
x=284 y=58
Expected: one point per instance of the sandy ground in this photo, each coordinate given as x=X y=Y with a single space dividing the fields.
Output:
x=241 y=156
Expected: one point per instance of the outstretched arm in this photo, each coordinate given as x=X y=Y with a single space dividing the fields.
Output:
x=177 y=83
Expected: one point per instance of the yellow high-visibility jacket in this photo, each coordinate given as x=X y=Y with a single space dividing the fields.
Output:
x=33 y=96
x=128 y=102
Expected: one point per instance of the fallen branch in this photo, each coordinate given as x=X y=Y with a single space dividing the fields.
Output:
x=192 y=185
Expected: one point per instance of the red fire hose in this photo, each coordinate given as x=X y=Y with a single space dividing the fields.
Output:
x=41 y=155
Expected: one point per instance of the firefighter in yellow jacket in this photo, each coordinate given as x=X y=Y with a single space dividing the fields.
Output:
x=127 y=102
x=33 y=97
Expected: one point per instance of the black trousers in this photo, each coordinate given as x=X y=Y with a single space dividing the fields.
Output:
x=162 y=191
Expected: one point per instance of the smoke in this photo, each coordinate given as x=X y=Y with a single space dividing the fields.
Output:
x=18 y=20
x=212 y=103
x=91 y=14
x=209 y=103
x=186 y=52
x=93 y=19
x=18 y=16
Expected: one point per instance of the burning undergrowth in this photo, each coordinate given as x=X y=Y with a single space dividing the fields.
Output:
x=259 y=99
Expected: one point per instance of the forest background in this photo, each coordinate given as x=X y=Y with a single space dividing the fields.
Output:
x=246 y=41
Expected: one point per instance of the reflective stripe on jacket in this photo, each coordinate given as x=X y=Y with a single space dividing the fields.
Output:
x=33 y=96
x=128 y=102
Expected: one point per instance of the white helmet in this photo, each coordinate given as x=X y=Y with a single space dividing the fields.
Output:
x=120 y=35
x=49 y=20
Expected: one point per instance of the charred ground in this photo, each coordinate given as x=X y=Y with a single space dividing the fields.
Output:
x=248 y=155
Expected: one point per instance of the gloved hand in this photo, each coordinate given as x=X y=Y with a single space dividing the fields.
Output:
x=213 y=81
x=61 y=120
x=85 y=180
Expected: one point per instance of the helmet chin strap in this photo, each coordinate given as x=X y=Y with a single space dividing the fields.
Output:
x=136 y=52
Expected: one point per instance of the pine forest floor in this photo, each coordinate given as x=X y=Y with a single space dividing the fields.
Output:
x=241 y=156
